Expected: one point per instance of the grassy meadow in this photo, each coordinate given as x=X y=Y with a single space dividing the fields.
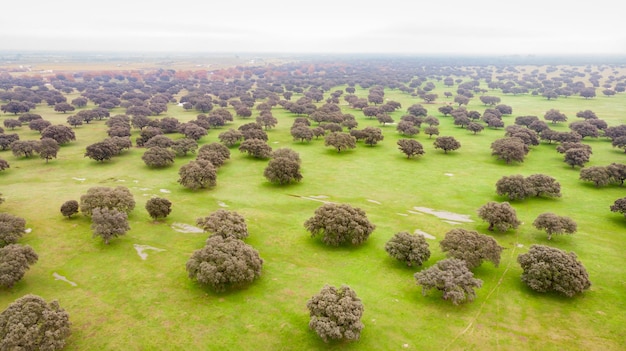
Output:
x=122 y=302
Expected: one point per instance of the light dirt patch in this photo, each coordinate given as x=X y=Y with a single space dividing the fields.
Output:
x=318 y=198
x=402 y=214
x=79 y=179
x=424 y=234
x=222 y=204
x=452 y=222
x=165 y=191
x=186 y=228
x=448 y=174
x=142 y=248
x=57 y=276
x=445 y=215
x=374 y=202
x=28 y=230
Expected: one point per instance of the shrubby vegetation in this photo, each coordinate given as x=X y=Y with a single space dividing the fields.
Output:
x=452 y=277
x=338 y=224
x=471 y=247
x=411 y=249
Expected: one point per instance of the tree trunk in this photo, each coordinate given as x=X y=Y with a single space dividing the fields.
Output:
x=490 y=227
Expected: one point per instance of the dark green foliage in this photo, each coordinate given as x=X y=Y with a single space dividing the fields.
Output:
x=29 y=323
x=225 y=224
x=118 y=198
x=224 y=263
x=158 y=207
x=500 y=216
x=336 y=313
x=554 y=224
x=452 y=277
x=551 y=269
x=339 y=224
x=69 y=208
x=11 y=228
x=108 y=223
x=408 y=248
x=471 y=247
x=15 y=259
x=197 y=174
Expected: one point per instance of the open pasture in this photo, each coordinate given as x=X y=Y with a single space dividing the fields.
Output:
x=120 y=299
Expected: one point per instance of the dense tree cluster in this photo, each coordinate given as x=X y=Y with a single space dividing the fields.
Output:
x=518 y=187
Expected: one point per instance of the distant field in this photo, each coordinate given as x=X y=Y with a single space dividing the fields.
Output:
x=122 y=302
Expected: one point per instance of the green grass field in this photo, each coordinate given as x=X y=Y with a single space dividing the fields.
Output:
x=121 y=302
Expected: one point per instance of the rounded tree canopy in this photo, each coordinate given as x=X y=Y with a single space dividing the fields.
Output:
x=339 y=224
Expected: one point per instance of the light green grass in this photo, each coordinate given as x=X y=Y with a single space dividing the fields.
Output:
x=123 y=302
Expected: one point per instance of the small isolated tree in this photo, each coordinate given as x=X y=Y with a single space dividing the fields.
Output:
x=411 y=249
x=283 y=170
x=411 y=147
x=618 y=206
x=11 y=228
x=157 y=156
x=452 y=277
x=69 y=208
x=108 y=223
x=197 y=174
x=118 y=198
x=499 y=215
x=336 y=313
x=158 y=207
x=551 y=269
x=555 y=224
x=431 y=130
x=340 y=141
x=225 y=224
x=224 y=263
x=30 y=323
x=446 y=143
x=339 y=224
x=15 y=260
x=471 y=247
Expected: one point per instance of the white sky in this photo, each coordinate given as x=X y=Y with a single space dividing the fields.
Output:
x=318 y=26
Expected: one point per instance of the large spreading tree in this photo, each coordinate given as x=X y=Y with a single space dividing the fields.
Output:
x=452 y=277
x=410 y=249
x=471 y=247
x=225 y=263
x=15 y=260
x=550 y=269
x=499 y=215
x=198 y=174
x=340 y=223
x=30 y=323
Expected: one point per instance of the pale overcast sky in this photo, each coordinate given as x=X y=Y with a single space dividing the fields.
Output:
x=320 y=26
